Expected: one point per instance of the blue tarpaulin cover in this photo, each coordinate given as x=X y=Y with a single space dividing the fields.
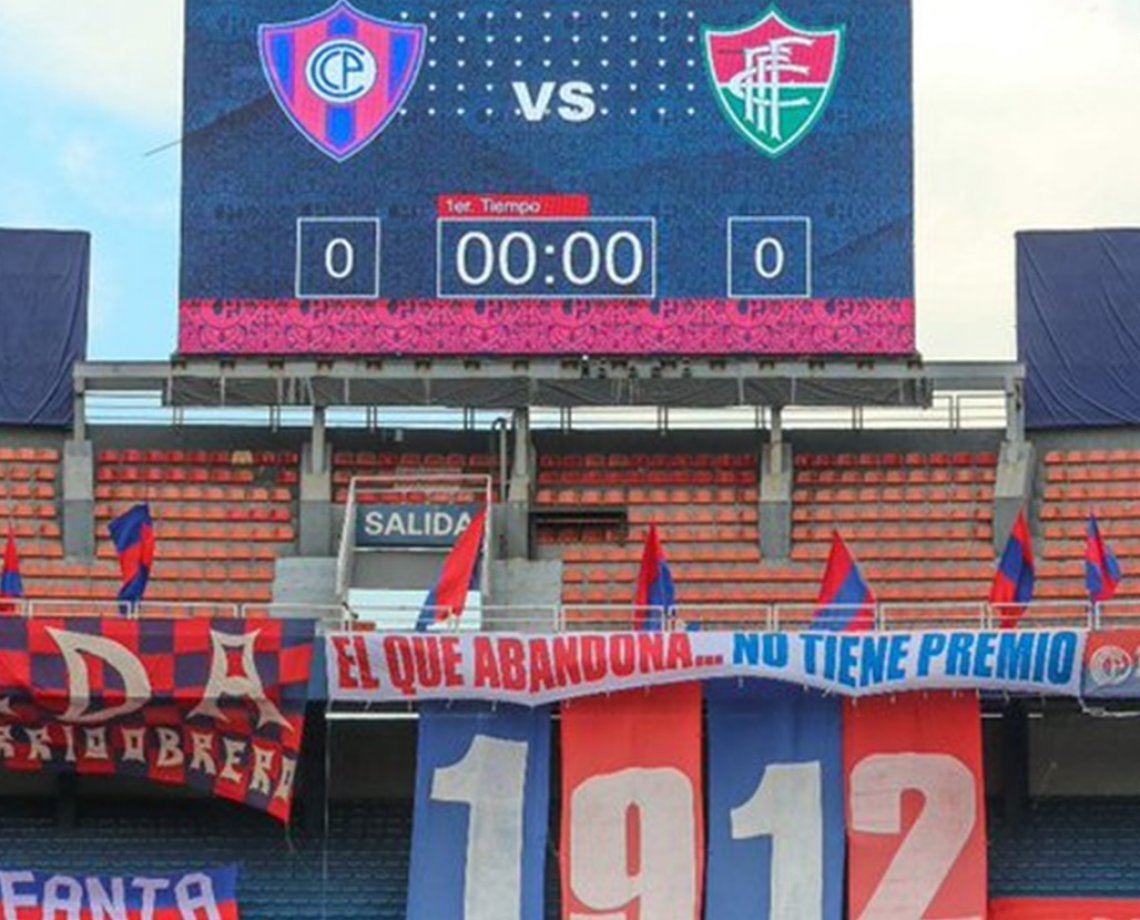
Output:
x=1078 y=326
x=43 y=323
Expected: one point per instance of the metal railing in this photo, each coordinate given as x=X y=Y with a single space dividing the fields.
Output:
x=948 y=410
x=546 y=618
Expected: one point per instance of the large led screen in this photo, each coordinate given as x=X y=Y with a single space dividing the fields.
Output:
x=606 y=177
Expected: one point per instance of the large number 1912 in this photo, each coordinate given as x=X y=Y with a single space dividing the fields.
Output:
x=786 y=807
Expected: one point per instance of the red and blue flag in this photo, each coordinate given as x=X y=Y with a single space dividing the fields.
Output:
x=133 y=535
x=11 y=584
x=1102 y=571
x=846 y=603
x=1012 y=588
x=656 y=597
x=459 y=575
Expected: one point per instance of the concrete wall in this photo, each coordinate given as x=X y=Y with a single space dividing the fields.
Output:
x=305 y=580
x=396 y=569
x=536 y=586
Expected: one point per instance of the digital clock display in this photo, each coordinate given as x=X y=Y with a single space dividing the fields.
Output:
x=575 y=258
x=655 y=176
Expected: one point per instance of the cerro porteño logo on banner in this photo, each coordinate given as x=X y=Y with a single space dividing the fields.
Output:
x=341 y=75
x=773 y=78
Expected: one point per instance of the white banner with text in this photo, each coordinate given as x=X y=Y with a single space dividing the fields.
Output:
x=535 y=669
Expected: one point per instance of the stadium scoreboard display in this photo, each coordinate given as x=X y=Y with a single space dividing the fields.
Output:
x=608 y=177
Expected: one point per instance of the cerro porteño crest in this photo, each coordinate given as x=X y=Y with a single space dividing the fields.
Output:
x=773 y=78
x=341 y=75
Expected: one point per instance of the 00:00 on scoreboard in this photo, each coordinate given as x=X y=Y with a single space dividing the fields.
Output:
x=553 y=258
x=575 y=257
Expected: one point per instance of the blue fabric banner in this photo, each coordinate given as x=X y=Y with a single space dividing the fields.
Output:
x=1078 y=306
x=43 y=323
x=776 y=827
x=481 y=812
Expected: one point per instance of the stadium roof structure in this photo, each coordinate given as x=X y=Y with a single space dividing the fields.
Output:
x=497 y=383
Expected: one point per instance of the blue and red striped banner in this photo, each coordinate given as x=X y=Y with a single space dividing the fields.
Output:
x=209 y=894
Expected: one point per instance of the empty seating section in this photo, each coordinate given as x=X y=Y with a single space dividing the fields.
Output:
x=29 y=480
x=282 y=874
x=221 y=518
x=1071 y=483
x=1067 y=847
x=920 y=524
x=416 y=470
x=595 y=508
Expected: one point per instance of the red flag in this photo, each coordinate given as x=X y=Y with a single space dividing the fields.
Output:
x=459 y=574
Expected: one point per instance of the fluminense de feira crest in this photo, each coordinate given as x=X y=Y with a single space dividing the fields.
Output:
x=342 y=75
x=773 y=78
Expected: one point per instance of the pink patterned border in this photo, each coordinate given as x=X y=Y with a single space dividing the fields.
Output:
x=863 y=326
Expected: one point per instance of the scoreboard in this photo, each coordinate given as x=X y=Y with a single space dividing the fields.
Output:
x=606 y=177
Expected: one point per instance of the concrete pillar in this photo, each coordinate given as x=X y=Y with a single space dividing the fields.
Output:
x=776 y=493
x=531 y=590
x=1015 y=410
x=1013 y=489
x=78 y=502
x=777 y=441
x=316 y=534
x=514 y=514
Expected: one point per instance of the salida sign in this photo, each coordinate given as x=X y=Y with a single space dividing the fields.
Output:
x=217 y=705
x=412 y=525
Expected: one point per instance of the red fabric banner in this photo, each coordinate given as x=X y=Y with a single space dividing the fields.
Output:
x=632 y=814
x=214 y=704
x=915 y=807
x=1063 y=909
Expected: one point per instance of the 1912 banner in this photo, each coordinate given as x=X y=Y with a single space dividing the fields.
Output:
x=482 y=806
x=530 y=669
x=916 y=818
x=214 y=704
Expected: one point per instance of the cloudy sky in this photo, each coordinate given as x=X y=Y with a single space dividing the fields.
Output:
x=1025 y=117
